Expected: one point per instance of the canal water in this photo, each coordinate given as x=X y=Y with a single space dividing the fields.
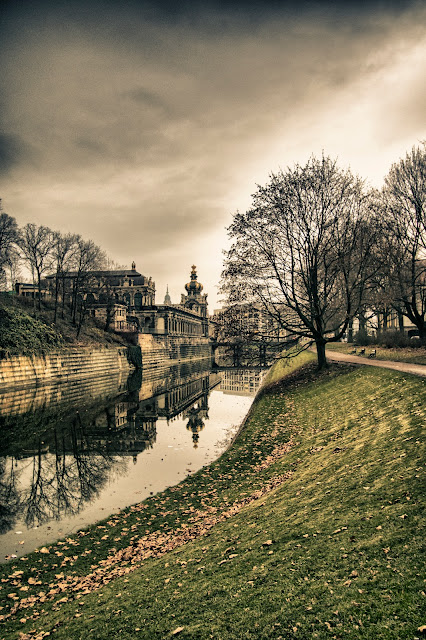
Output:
x=72 y=454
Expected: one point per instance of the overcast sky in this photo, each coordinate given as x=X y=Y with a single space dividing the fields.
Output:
x=145 y=126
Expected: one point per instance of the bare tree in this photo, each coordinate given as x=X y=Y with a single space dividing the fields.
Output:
x=9 y=494
x=303 y=252
x=64 y=247
x=88 y=258
x=8 y=238
x=404 y=203
x=107 y=291
x=246 y=334
x=36 y=243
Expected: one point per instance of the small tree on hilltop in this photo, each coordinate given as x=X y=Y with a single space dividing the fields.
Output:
x=36 y=244
x=8 y=250
x=303 y=252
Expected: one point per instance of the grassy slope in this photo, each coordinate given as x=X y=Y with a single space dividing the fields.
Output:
x=334 y=551
x=26 y=331
x=398 y=354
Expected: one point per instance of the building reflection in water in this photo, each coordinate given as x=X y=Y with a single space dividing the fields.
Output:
x=243 y=382
x=62 y=444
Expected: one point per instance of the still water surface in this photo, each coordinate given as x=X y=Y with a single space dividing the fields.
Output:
x=72 y=454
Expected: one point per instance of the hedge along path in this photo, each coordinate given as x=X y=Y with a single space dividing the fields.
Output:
x=156 y=543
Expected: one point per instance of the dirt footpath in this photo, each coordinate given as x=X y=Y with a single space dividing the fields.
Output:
x=405 y=367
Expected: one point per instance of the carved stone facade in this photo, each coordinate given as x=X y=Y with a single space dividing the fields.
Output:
x=189 y=318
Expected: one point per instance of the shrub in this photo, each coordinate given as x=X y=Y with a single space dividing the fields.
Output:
x=362 y=338
x=394 y=338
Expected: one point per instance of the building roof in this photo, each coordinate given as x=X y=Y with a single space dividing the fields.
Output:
x=118 y=273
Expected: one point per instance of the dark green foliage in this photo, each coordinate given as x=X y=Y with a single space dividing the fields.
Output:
x=21 y=333
x=395 y=338
x=134 y=356
x=362 y=338
x=24 y=330
x=389 y=339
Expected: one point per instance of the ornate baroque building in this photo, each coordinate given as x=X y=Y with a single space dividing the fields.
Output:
x=129 y=298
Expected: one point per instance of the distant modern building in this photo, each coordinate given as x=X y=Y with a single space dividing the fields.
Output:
x=244 y=382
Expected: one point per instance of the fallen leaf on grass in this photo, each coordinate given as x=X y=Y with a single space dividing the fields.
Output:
x=339 y=530
x=177 y=630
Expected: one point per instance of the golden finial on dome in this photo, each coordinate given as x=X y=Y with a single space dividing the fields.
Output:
x=194 y=287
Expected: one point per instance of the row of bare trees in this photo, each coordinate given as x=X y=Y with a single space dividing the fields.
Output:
x=317 y=248
x=45 y=252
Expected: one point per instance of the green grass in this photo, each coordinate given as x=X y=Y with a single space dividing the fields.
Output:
x=26 y=330
x=21 y=333
x=287 y=365
x=308 y=527
x=398 y=354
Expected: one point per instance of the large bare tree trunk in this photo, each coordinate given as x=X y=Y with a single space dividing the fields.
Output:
x=322 y=360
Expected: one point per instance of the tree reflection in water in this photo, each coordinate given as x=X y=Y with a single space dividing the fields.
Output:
x=80 y=437
x=10 y=502
x=54 y=485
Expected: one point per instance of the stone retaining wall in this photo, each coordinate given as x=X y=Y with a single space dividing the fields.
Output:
x=62 y=366
x=17 y=401
x=159 y=352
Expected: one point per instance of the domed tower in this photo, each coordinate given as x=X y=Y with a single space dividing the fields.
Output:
x=195 y=300
x=194 y=288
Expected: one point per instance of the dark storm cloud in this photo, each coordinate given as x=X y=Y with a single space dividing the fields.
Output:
x=12 y=151
x=148 y=98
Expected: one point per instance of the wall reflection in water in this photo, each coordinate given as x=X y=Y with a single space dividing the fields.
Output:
x=62 y=444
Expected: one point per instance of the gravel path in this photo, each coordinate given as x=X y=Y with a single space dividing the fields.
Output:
x=405 y=367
